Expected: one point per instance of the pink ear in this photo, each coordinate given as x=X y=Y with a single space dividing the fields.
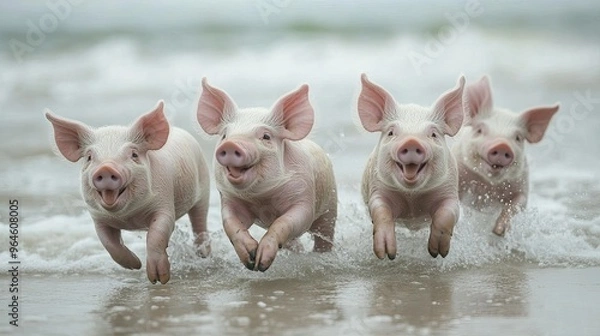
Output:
x=374 y=102
x=213 y=107
x=295 y=113
x=449 y=107
x=152 y=129
x=478 y=97
x=536 y=120
x=70 y=136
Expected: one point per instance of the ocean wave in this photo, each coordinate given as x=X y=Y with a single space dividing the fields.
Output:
x=67 y=244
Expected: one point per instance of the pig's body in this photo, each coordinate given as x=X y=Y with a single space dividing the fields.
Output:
x=479 y=192
x=269 y=174
x=180 y=180
x=406 y=203
x=481 y=186
x=142 y=177
x=308 y=181
x=411 y=173
x=493 y=171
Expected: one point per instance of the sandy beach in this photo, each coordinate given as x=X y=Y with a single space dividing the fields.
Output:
x=495 y=300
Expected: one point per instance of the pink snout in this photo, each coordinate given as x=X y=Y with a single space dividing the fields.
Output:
x=231 y=154
x=107 y=178
x=500 y=154
x=411 y=152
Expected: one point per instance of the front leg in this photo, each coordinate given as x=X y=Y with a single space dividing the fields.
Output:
x=197 y=215
x=290 y=225
x=236 y=222
x=444 y=218
x=510 y=209
x=384 y=228
x=157 y=241
x=113 y=243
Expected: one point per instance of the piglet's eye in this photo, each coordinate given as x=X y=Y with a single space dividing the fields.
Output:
x=89 y=158
x=134 y=155
x=391 y=133
x=433 y=135
x=224 y=136
x=266 y=136
x=518 y=138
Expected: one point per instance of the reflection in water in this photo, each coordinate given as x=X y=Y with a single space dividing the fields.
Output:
x=499 y=291
x=412 y=301
x=281 y=304
x=394 y=300
x=142 y=307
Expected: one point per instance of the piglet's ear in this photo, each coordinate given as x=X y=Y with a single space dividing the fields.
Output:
x=295 y=113
x=478 y=97
x=374 y=103
x=214 y=106
x=536 y=120
x=449 y=108
x=70 y=136
x=152 y=129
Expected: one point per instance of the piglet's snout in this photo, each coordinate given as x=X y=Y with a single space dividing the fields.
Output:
x=411 y=151
x=231 y=154
x=411 y=157
x=109 y=183
x=107 y=177
x=500 y=154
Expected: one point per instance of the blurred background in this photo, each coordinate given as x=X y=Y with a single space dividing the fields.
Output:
x=107 y=62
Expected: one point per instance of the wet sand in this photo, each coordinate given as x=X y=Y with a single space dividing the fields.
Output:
x=493 y=300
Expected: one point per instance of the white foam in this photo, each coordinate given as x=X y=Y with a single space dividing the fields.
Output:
x=541 y=235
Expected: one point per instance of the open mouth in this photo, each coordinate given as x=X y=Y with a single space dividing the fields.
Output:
x=110 y=197
x=494 y=167
x=235 y=175
x=411 y=171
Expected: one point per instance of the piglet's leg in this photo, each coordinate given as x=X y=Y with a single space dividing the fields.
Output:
x=290 y=225
x=236 y=222
x=157 y=241
x=516 y=205
x=384 y=229
x=323 y=230
x=197 y=215
x=442 y=226
x=112 y=242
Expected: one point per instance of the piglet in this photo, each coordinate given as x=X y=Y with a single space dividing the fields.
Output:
x=142 y=177
x=268 y=173
x=489 y=149
x=411 y=173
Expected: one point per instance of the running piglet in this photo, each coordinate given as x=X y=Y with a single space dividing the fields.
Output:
x=142 y=177
x=411 y=174
x=268 y=173
x=493 y=171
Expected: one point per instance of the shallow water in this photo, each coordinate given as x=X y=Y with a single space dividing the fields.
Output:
x=498 y=300
x=103 y=69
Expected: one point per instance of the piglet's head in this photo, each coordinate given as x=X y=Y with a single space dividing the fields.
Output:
x=251 y=152
x=496 y=137
x=412 y=152
x=116 y=172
